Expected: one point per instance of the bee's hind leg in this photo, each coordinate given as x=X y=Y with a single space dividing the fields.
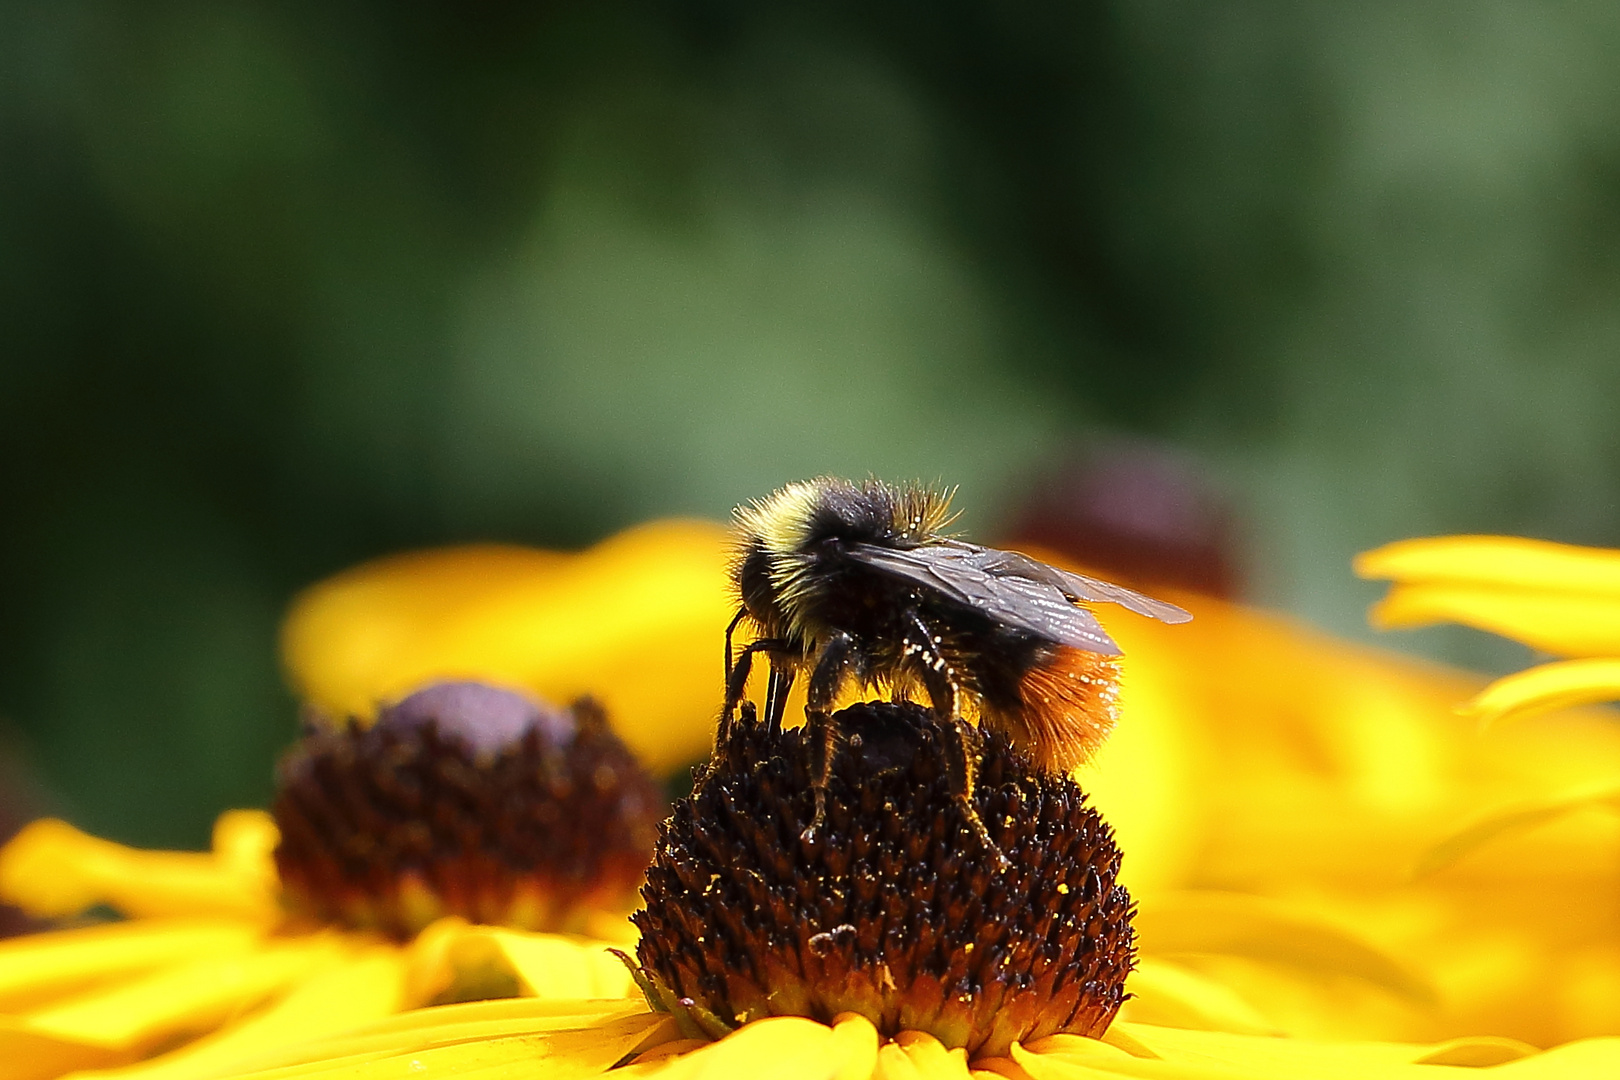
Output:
x=961 y=739
x=832 y=665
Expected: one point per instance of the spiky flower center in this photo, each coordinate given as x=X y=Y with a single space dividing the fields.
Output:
x=893 y=909
x=464 y=799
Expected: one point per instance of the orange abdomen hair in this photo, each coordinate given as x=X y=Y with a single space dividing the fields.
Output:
x=1068 y=708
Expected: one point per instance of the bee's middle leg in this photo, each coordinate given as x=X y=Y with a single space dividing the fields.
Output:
x=832 y=666
x=962 y=740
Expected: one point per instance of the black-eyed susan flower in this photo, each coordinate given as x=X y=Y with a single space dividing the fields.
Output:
x=894 y=910
x=356 y=900
x=1270 y=789
x=361 y=894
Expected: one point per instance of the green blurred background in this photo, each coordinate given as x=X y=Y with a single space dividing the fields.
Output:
x=289 y=285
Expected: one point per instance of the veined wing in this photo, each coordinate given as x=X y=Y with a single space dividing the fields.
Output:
x=1022 y=601
x=1074 y=586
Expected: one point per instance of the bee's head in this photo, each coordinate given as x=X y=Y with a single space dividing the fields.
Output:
x=802 y=515
x=780 y=537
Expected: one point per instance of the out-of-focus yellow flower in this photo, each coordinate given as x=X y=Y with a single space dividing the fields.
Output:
x=205 y=955
x=635 y=622
x=208 y=959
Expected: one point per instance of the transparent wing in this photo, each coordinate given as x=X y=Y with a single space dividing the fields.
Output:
x=1074 y=586
x=1017 y=600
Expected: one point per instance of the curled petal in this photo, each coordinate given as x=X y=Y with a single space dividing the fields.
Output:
x=1511 y=820
x=1550 y=686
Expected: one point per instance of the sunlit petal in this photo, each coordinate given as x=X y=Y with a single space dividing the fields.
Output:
x=344 y=996
x=1564 y=624
x=777 y=1048
x=1167 y=993
x=599 y=1032
x=1510 y=561
x=927 y=1058
x=1239 y=925
x=185 y=1000
x=37 y=968
x=632 y=621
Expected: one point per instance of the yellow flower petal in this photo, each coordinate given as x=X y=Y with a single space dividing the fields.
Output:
x=1169 y=994
x=452 y=961
x=1513 y=819
x=556 y=1054
x=608 y=1023
x=184 y=1000
x=245 y=843
x=1564 y=624
x=27 y=1054
x=36 y=968
x=632 y=621
x=1477 y=1052
x=1563 y=685
x=52 y=869
x=1240 y=925
x=928 y=1057
x=342 y=997
x=547 y=965
x=776 y=1048
x=1509 y=561
x=1572 y=1061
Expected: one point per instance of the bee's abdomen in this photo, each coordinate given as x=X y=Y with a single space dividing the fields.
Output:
x=1067 y=704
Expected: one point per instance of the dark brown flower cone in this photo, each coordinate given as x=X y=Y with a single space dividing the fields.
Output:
x=464 y=800
x=894 y=911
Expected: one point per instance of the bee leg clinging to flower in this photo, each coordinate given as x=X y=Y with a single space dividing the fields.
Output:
x=737 y=672
x=833 y=662
x=962 y=745
x=776 y=695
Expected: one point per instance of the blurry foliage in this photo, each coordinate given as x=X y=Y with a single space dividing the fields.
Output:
x=283 y=286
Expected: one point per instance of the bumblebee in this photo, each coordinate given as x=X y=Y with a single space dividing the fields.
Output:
x=847 y=581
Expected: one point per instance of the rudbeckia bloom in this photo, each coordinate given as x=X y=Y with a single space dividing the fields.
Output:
x=355 y=901
x=462 y=802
